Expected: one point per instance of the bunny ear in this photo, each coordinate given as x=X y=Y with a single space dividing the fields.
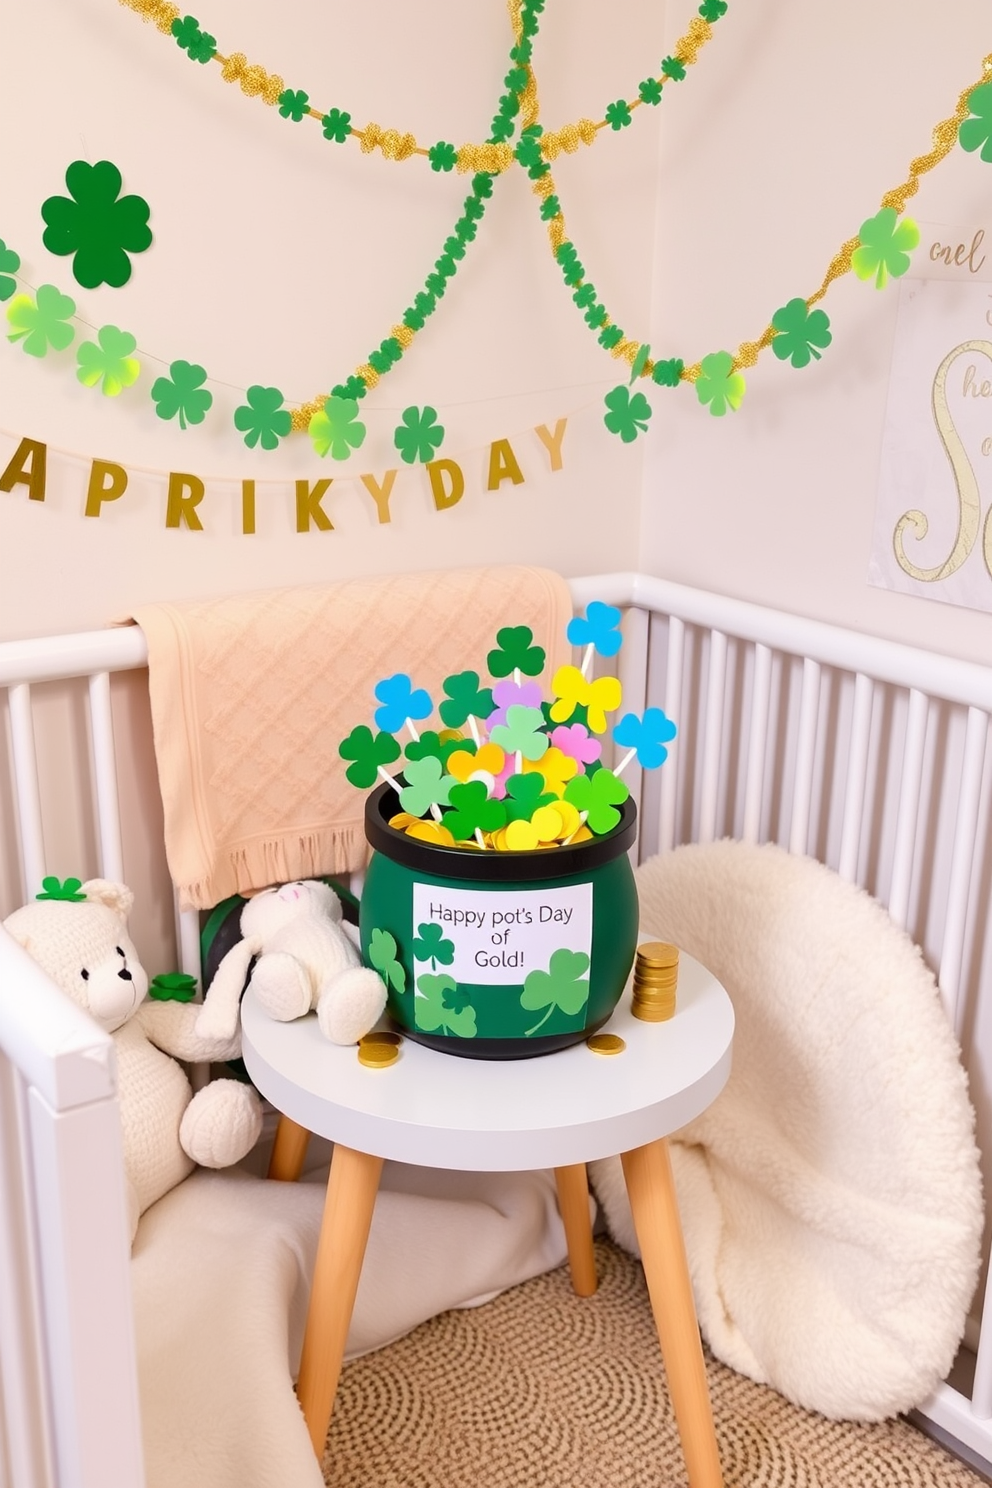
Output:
x=114 y=895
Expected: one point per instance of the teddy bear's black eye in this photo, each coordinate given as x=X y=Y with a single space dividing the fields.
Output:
x=85 y=974
x=120 y=953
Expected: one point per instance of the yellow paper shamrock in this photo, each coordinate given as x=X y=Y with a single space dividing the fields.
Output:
x=556 y=767
x=572 y=690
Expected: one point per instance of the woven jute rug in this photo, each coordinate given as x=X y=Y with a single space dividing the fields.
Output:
x=543 y=1389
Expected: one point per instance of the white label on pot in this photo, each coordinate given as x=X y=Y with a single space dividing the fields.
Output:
x=498 y=938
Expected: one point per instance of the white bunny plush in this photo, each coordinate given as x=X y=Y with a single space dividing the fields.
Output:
x=305 y=959
x=78 y=934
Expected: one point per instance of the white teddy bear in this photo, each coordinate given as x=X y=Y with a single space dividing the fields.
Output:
x=306 y=959
x=78 y=935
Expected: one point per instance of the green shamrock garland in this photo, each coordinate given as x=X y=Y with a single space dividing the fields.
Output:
x=108 y=361
x=182 y=394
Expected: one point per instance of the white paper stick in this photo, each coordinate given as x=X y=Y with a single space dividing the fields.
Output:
x=389 y=779
x=587 y=659
x=474 y=727
x=582 y=818
x=625 y=762
x=478 y=838
x=413 y=730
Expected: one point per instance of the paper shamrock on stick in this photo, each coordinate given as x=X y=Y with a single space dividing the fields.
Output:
x=370 y=753
x=515 y=652
x=644 y=737
x=400 y=703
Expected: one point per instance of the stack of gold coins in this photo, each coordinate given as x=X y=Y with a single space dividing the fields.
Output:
x=656 y=977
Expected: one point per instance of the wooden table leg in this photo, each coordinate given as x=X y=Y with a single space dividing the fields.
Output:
x=344 y=1231
x=288 y=1151
x=651 y=1187
x=573 y=1201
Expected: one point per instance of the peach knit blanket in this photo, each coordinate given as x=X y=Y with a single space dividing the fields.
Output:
x=251 y=695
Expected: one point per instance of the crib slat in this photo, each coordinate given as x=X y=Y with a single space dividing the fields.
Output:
x=25 y=762
x=673 y=707
x=962 y=856
x=981 y=1393
x=802 y=791
x=754 y=788
x=857 y=775
x=712 y=736
x=633 y=671
x=105 y=778
x=909 y=805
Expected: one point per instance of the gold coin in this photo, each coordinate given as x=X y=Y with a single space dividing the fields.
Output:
x=658 y=974
x=378 y=1055
x=652 y=1015
x=658 y=953
x=606 y=1043
x=381 y=1036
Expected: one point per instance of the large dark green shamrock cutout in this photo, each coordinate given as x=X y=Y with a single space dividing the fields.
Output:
x=439 y=1004
x=799 y=331
x=182 y=393
x=515 y=652
x=383 y=957
x=97 y=225
x=369 y=752
x=432 y=946
x=564 y=985
x=466 y=699
x=474 y=811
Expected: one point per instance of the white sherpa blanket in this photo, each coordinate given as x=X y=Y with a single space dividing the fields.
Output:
x=830 y=1197
x=221 y=1275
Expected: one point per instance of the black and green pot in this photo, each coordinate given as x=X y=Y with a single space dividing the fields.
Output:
x=498 y=955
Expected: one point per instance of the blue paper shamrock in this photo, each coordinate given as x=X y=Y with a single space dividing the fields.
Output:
x=647 y=736
x=399 y=702
x=600 y=628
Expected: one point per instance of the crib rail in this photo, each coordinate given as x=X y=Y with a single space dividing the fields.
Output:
x=872 y=756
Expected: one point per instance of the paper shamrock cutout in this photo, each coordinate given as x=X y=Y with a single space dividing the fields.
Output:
x=53 y=888
x=294 y=104
x=426 y=785
x=575 y=739
x=432 y=743
x=976 y=131
x=564 y=985
x=442 y=156
x=556 y=769
x=884 y=247
x=572 y=690
x=370 y=754
x=262 y=419
x=96 y=225
x=466 y=698
x=600 y=627
x=198 y=45
x=431 y=946
x=525 y=794
x=799 y=331
x=108 y=361
x=507 y=693
x=10 y=262
x=719 y=385
x=400 y=702
x=598 y=795
x=336 y=125
x=668 y=373
x=336 y=429
x=650 y=91
x=522 y=733
x=383 y=958
x=628 y=413
x=41 y=323
x=474 y=811
x=419 y=436
x=173 y=986
x=647 y=736
x=618 y=114
x=182 y=393
x=441 y=1004
x=515 y=652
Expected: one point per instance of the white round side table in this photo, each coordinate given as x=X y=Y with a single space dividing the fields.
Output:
x=556 y=1111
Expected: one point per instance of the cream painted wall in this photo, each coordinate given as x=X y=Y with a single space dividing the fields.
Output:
x=798 y=117
x=281 y=258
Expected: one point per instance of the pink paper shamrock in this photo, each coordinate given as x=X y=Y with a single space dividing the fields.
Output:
x=575 y=740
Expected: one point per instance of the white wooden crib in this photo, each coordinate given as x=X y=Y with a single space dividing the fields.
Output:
x=872 y=757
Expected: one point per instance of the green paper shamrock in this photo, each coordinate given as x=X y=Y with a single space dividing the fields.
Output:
x=198 y=45
x=474 y=811
x=550 y=207
x=440 y=1004
x=52 y=888
x=522 y=733
x=977 y=131
x=96 y=225
x=431 y=946
x=442 y=156
x=528 y=148
x=263 y=420
x=336 y=429
x=628 y=413
x=564 y=985
x=337 y=125
x=369 y=754
x=182 y=393
x=173 y=986
x=674 y=69
x=650 y=91
x=442 y=749
x=799 y=331
x=515 y=652
x=712 y=10
x=718 y=384
x=668 y=374
x=9 y=264
x=465 y=699
x=426 y=785
x=884 y=247
x=108 y=361
x=40 y=323
x=353 y=389
x=419 y=436
x=598 y=795
x=383 y=958
x=640 y=361
x=525 y=794
x=618 y=114
x=294 y=105
x=610 y=336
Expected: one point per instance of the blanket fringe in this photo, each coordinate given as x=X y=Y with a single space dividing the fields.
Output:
x=255 y=865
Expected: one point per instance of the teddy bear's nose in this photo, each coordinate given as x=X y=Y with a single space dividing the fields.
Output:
x=125 y=975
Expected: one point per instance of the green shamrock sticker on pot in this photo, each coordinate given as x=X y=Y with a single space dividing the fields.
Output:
x=564 y=986
x=432 y=946
x=384 y=959
x=441 y=1006
x=97 y=225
